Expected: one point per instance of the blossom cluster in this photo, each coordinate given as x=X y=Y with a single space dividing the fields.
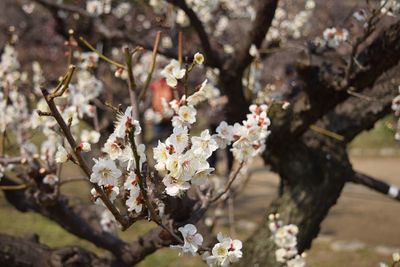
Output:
x=98 y=7
x=182 y=160
x=285 y=238
x=286 y=25
x=12 y=104
x=215 y=14
x=223 y=253
x=333 y=37
x=119 y=157
x=76 y=104
x=390 y=7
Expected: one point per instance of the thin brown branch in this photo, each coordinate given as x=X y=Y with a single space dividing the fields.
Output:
x=82 y=163
x=142 y=94
x=229 y=184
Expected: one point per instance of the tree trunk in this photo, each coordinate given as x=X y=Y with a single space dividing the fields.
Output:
x=313 y=173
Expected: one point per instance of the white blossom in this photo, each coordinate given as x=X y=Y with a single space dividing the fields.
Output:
x=108 y=222
x=179 y=139
x=186 y=116
x=125 y=123
x=105 y=172
x=161 y=154
x=334 y=37
x=174 y=186
x=192 y=239
x=50 y=179
x=113 y=147
x=173 y=72
x=134 y=201
x=90 y=136
x=204 y=145
x=61 y=155
x=225 y=252
x=85 y=146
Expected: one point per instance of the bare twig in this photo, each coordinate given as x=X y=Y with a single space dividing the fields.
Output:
x=180 y=48
x=152 y=67
x=229 y=184
x=82 y=163
x=103 y=57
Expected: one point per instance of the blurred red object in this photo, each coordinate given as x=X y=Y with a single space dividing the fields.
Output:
x=160 y=90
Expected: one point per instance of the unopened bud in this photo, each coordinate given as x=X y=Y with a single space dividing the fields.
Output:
x=118 y=72
x=85 y=147
x=285 y=105
x=198 y=58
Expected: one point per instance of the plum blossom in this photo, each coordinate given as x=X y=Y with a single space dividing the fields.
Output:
x=98 y=7
x=179 y=139
x=105 y=172
x=50 y=179
x=108 y=222
x=285 y=238
x=204 y=145
x=127 y=156
x=111 y=192
x=161 y=153
x=173 y=72
x=192 y=239
x=90 y=136
x=62 y=155
x=297 y=261
x=225 y=252
x=186 y=116
x=131 y=181
x=176 y=185
x=249 y=137
x=202 y=173
x=360 y=15
x=85 y=146
x=224 y=134
x=334 y=37
x=113 y=147
x=125 y=123
x=134 y=201
x=200 y=95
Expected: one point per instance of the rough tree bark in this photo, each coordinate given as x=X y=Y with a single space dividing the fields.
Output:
x=313 y=171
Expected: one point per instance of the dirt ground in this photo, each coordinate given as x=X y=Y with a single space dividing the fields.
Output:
x=361 y=230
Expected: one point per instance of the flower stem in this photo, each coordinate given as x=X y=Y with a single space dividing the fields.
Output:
x=103 y=57
x=152 y=66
